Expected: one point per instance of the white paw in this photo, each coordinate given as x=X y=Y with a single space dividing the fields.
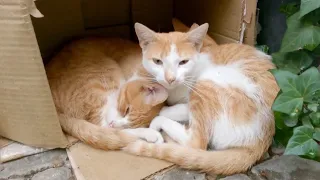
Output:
x=163 y=110
x=153 y=136
x=156 y=123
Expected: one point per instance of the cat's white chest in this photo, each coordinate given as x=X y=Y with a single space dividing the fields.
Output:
x=178 y=95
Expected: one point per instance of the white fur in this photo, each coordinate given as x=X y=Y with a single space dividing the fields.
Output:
x=178 y=112
x=226 y=134
x=110 y=113
x=147 y=134
x=231 y=76
x=171 y=65
x=180 y=94
x=174 y=129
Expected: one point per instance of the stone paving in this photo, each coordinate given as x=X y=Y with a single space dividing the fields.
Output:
x=54 y=165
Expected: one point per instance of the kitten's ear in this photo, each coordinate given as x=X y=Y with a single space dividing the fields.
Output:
x=194 y=26
x=145 y=35
x=154 y=94
x=197 y=35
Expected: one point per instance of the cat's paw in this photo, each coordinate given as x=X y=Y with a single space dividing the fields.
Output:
x=164 y=110
x=153 y=136
x=157 y=123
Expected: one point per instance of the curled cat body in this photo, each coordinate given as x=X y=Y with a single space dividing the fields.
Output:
x=96 y=94
x=229 y=93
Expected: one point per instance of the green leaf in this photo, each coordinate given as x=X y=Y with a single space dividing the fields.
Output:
x=308 y=83
x=302 y=143
x=288 y=102
x=278 y=116
x=289 y=9
x=316 y=136
x=285 y=79
x=282 y=136
x=306 y=121
x=294 y=62
x=291 y=121
x=263 y=48
x=313 y=107
x=315 y=118
x=299 y=35
x=308 y=6
x=316 y=51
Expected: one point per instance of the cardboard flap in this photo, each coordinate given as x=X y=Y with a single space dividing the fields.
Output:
x=97 y=164
x=225 y=17
x=27 y=111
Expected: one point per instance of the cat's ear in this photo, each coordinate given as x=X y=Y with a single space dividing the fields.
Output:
x=197 y=35
x=194 y=26
x=144 y=34
x=154 y=94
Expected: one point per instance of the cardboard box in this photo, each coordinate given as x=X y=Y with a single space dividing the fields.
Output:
x=27 y=111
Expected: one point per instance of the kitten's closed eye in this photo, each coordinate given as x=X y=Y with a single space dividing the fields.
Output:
x=183 y=62
x=157 y=61
x=127 y=111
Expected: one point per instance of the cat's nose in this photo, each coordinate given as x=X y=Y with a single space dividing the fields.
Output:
x=170 y=77
x=171 y=80
x=111 y=124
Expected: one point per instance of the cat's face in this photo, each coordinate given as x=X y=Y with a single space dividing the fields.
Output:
x=138 y=102
x=170 y=57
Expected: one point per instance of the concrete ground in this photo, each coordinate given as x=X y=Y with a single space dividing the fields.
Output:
x=54 y=165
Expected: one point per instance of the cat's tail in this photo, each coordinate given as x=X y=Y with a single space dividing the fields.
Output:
x=96 y=136
x=225 y=162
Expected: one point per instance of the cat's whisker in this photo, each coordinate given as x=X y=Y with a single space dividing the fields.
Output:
x=194 y=89
x=191 y=85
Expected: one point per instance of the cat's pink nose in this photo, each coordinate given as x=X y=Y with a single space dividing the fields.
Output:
x=171 y=80
x=111 y=124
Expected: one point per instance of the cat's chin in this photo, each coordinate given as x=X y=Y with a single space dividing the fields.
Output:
x=167 y=86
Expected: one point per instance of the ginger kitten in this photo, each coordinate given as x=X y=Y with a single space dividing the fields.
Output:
x=225 y=93
x=93 y=96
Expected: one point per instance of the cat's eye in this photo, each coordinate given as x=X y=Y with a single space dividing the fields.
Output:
x=127 y=111
x=157 y=61
x=183 y=62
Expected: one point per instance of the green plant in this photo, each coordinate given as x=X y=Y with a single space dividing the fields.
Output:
x=296 y=108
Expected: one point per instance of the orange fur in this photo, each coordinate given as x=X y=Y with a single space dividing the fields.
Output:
x=83 y=74
x=208 y=101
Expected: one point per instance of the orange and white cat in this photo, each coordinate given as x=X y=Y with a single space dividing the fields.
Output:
x=94 y=90
x=225 y=93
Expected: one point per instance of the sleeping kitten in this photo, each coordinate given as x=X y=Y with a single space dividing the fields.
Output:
x=91 y=94
x=226 y=95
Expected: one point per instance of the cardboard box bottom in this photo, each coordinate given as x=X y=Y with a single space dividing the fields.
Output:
x=95 y=164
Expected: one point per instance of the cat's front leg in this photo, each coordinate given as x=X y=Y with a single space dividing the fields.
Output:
x=178 y=112
x=173 y=129
x=147 y=134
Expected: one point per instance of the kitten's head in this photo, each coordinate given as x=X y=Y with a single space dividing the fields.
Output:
x=170 y=57
x=138 y=102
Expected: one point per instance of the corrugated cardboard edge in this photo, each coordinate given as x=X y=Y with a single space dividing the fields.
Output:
x=22 y=92
x=250 y=22
x=75 y=168
x=160 y=172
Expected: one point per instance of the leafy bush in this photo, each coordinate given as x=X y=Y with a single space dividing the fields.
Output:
x=296 y=108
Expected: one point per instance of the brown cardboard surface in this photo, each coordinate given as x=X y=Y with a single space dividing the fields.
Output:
x=224 y=17
x=157 y=15
x=4 y=142
x=102 y=13
x=250 y=20
x=27 y=112
x=96 y=164
x=62 y=20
